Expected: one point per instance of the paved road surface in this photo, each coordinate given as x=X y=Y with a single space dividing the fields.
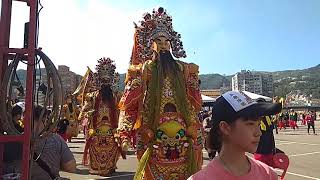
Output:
x=303 y=151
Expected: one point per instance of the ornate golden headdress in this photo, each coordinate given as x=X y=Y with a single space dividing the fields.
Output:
x=106 y=73
x=154 y=25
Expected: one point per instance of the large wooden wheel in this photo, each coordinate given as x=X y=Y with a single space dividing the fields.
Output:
x=56 y=95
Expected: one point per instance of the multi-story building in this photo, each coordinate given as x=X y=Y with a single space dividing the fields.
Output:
x=267 y=85
x=255 y=82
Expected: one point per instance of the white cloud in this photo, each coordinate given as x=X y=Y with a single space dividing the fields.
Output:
x=77 y=36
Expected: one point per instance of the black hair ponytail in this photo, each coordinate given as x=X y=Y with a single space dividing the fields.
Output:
x=214 y=139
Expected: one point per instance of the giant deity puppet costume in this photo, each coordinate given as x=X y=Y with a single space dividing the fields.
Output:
x=161 y=102
x=99 y=93
x=70 y=112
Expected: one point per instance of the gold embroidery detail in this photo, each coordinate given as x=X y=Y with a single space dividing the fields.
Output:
x=167 y=94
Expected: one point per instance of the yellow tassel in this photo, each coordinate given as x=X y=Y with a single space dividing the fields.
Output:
x=263 y=126
x=268 y=120
x=20 y=122
x=138 y=123
x=91 y=132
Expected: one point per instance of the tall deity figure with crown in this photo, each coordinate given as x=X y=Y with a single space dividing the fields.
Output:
x=161 y=102
x=70 y=112
x=99 y=96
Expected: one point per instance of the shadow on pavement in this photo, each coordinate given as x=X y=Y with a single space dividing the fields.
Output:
x=74 y=147
x=130 y=152
x=116 y=175
x=77 y=142
x=79 y=138
x=73 y=152
x=82 y=171
x=120 y=175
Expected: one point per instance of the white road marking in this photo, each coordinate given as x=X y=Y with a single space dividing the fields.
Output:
x=294 y=142
x=285 y=143
x=300 y=175
x=304 y=154
x=309 y=144
x=131 y=156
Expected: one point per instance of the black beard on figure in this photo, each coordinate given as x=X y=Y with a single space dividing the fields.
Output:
x=70 y=107
x=106 y=93
x=167 y=61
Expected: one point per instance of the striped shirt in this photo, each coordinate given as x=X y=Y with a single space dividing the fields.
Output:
x=55 y=152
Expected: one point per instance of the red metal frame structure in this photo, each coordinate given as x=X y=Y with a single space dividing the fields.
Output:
x=29 y=52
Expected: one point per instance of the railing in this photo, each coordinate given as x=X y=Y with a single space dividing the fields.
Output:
x=5 y=55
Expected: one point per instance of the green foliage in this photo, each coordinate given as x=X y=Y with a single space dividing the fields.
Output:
x=306 y=80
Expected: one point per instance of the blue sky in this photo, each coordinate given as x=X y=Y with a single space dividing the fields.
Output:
x=222 y=36
x=226 y=36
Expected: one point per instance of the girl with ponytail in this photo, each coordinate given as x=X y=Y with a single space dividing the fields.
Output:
x=236 y=131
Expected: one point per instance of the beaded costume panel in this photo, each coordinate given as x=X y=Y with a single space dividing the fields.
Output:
x=103 y=149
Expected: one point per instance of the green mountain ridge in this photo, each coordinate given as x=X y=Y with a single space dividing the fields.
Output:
x=306 y=80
